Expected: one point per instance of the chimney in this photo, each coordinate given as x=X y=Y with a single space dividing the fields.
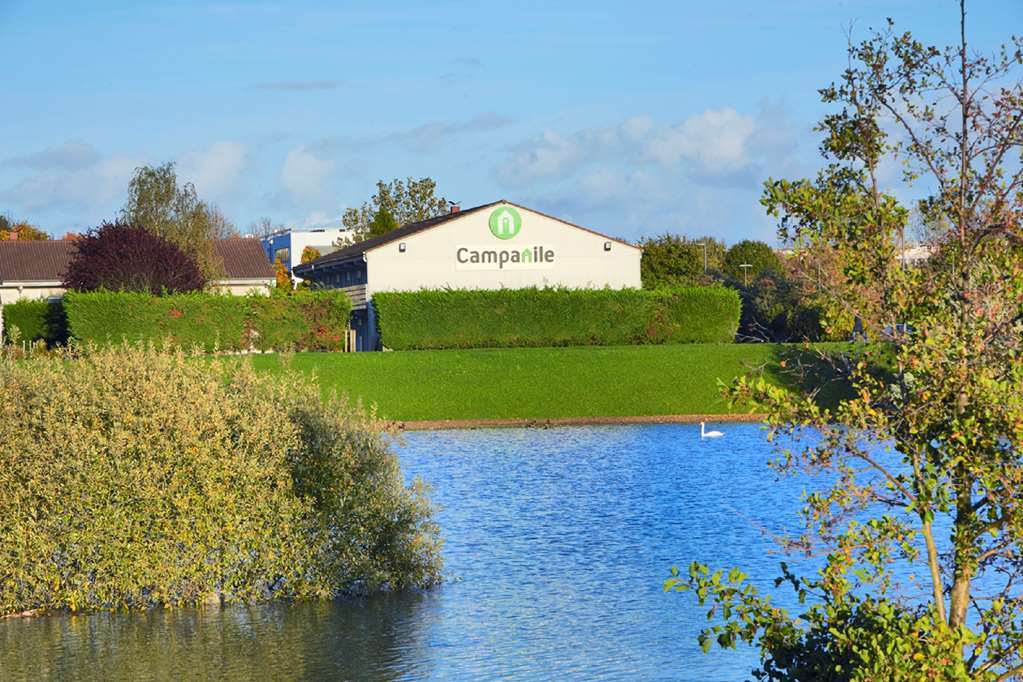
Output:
x=13 y=235
x=455 y=208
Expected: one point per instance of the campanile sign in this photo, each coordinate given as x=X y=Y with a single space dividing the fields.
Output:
x=505 y=224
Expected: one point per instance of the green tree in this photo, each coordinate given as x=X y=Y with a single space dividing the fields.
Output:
x=759 y=256
x=406 y=201
x=674 y=260
x=923 y=466
x=382 y=223
x=158 y=203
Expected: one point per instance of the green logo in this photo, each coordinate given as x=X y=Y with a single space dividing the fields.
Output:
x=505 y=222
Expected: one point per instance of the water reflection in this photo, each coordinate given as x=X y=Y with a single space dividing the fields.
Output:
x=556 y=545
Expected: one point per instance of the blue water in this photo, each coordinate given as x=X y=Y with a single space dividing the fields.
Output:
x=557 y=542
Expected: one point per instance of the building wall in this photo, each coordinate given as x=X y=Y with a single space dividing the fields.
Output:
x=431 y=260
x=242 y=288
x=296 y=240
x=11 y=294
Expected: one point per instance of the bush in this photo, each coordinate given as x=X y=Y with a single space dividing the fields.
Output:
x=462 y=318
x=39 y=320
x=302 y=321
x=135 y=477
x=127 y=258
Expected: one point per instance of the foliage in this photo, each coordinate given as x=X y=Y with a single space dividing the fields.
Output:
x=463 y=318
x=36 y=320
x=382 y=223
x=309 y=254
x=775 y=309
x=156 y=202
x=136 y=477
x=282 y=278
x=407 y=202
x=123 y=257
x=546 y=383
x=925 y=462
x=23 y=230
x=672 y=260
x=759 y=256
x=303 y=320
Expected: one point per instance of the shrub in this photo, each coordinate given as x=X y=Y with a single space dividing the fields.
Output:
x=123 y=257
x=302 y=321
x=461 y=318
x=135 y=477
x=39 y=320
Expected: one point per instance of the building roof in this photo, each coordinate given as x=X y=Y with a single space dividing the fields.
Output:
x=47 y=261
x=34 y=261
x=356 y=250
x=244 y=259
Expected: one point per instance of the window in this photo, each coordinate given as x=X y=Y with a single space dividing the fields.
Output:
x=284 y=255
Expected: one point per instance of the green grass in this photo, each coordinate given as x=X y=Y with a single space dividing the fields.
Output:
x=538 y=383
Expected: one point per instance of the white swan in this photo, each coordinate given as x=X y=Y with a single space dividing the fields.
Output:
x=709 y=434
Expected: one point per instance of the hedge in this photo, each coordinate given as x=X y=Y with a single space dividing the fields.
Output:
x=135 y=477
x=39 y=320
x=302 y=320
x=465 y=318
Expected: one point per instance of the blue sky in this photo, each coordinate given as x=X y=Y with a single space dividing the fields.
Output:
x=633 y=118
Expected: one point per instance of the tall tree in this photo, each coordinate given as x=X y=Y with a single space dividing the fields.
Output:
x=406 y=201
x=674 y=260
x=757 y=257
x=925 y=461
x=158 y=203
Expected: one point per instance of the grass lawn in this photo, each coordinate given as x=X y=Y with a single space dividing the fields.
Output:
x=537 y=383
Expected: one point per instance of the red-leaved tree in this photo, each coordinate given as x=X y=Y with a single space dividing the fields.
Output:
x=123 y=257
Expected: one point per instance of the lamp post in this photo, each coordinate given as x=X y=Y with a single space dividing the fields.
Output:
x=704 y=245
x=745 y=273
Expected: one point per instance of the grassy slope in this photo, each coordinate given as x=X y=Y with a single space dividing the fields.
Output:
x=536 y=383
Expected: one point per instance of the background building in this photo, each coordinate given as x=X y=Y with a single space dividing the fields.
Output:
x=35 y=269
x=494 y=246
x=287 y=245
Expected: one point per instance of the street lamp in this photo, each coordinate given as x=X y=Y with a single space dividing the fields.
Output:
x=745 y=273
x=704 y=245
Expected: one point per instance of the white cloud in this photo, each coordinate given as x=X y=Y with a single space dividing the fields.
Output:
x=304 y=174
x=716 y=140
x=549 y=155
x=214 y=171
x=71 y=155
x=90 y=187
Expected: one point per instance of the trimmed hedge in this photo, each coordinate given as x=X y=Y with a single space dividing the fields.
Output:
x=39 y=320
x=303 y=320
x=464 y=318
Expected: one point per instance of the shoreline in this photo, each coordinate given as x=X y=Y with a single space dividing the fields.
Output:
x=538 y=423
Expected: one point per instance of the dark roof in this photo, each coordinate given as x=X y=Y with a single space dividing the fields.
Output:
x=362 y=247
x=46 y=261
x=34 y=261
x=356 y=250
x=244 y=259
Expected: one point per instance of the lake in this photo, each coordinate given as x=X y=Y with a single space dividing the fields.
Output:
x=556 y=545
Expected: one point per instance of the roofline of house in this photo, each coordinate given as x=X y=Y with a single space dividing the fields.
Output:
x=309 y=267
x=31 y=283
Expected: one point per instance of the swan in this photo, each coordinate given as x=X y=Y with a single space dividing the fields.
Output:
x=709 y=434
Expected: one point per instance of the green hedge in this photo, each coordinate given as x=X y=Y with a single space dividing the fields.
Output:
x=463 y=318
x=303 y=320
x=39 y=320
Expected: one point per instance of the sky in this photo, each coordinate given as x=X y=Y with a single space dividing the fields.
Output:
x=633 y=118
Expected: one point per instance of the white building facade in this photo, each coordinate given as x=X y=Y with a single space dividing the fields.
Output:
x=495 y=246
